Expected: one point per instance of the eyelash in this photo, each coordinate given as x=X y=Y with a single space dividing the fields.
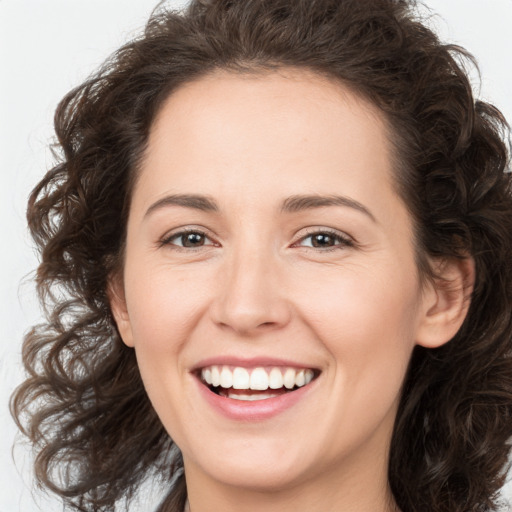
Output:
x=167 y=240
x=343 y=241
x=340 y=240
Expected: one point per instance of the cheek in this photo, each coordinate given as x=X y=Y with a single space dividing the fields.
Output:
x=164 y=306
x=364 y=315
x=162 y=303
x=354 y=298
x=366 y=319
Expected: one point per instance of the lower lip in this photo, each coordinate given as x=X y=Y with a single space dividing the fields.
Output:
x=257 y=410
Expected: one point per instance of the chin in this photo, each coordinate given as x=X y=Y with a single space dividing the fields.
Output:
x=264 y=477
x=262 y=469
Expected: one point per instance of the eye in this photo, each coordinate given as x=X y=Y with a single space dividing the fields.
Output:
x=188 y=239
x=325 y=239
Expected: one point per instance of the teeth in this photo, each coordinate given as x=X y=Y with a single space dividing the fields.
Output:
x=226 y=378
x=215 y=376
x=258 y=379
x=289 y=378
x=275 y=379
x=207 y=375
x=300 y=378
x=251 y=398
x=241 y=378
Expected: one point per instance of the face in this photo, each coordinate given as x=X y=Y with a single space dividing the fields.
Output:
x=269 y=255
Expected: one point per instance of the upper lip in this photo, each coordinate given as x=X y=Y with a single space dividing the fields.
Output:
x=251 y=362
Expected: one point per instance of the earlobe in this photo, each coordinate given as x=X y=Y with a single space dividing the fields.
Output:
x=446 y=302
x=117 y=300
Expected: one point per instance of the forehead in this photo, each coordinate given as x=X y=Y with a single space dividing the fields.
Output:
x=281 y=131
x=285 y=99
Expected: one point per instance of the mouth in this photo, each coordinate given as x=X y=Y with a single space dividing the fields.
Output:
x=258 y=383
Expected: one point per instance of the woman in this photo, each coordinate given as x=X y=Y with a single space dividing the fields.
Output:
x=275 y=254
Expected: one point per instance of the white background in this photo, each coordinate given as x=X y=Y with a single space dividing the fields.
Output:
x=49 y=46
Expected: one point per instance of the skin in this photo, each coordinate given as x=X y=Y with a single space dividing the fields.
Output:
x=257 y=286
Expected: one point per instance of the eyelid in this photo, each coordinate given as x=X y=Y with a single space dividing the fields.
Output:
x=185 y=230
x=343 y=238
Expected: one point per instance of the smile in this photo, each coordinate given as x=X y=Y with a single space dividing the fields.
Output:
x=259 y=383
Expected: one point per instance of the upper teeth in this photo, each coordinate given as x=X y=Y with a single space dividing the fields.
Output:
x=257 y=378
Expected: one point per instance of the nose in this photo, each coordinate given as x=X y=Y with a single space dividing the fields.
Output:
x=251 y=298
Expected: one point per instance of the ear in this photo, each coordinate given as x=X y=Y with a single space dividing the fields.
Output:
x=446 y=300
x=117 y=300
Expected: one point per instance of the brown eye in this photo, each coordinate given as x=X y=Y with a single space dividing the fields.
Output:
x=188 y=240
x=192 y=239
x=322 y=240
x=325 y=240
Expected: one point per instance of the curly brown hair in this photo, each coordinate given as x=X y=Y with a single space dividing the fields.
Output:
x=83 y=405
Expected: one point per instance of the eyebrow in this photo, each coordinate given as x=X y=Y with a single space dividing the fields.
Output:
x=299 y=203
x=194 y=201
x=292 y=204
